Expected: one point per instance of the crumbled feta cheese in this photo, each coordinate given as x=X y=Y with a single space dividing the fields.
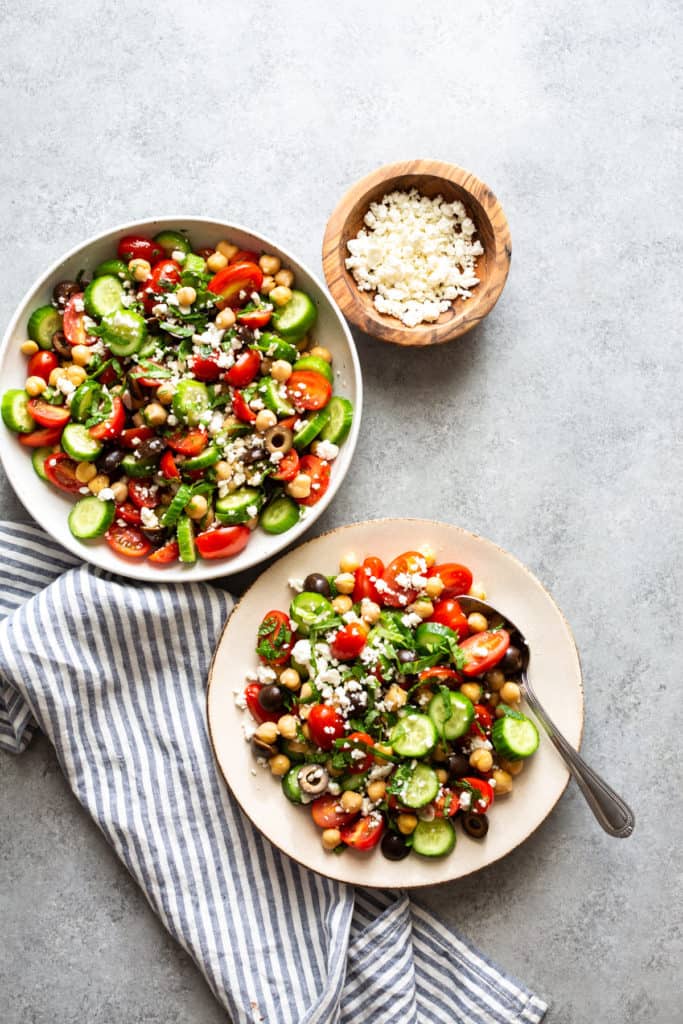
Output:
x=411 y=620
x=106 y=494
x=178 y=255
x=149 y=518
x=327 y=450
x=296 y=584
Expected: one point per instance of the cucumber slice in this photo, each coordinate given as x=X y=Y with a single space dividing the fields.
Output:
x=310 y=610
x=515 y=738
x=185 y=537
x=452 y=715
x=78 y=443
x=194 y=265
x=414 y=735
x=190 y=400
x=315 y=363
x=235 y=507
x=14 y=410
x=91 y=517
x=269 y=390
x=113 y=268
x=103 y=296
x=311 y=429
x=277 y=348
x=83 y=398
x=123 y=331
x=42 y=324
x=339 y=421
x=280 y=515
x=297 y=317
x=430 y=636
x=175 y=509
x=354 y=783
x=294 y=749
x=291 y=787
x=38 y=459
x=434 y=838
x=209 y=457
x=421 y=788
x=139 y=467
x=173 y=241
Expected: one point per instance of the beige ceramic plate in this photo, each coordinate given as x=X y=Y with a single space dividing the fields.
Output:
x=554 y=670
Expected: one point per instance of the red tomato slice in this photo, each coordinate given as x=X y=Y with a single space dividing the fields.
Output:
x=349 y=641
x=168 y=467
x=449 y=613
x=366 y=577
x=223 y=541
x=245 y=369
x=164 y=556
x=483 y=720
x=138 y=247
x=141 y=494
x=148 y=379
x=457 y=579
x=360 y=764
x=397 y=595
x=129 y=513
x=165 y=274
x=259 y=714
x=73 y=323
x=287 y=467
x=446 y=805
x=363 y=834
x=326 y=813
x=127 y=541
x=484 y=650
x=244 y=256
x=108 y=376
x=41 y=364
x=273 y=638
x=255 y=319
x=61 y=471
x=308 y=389
x=440 y=675
x=235 y=283
x=206 y=369
x=113 y=425
x=480 y=804
x=191 y=442
x=48 y=415
x=134 y=436
x=241 y=408
x=319 y=472
x=44 y=438
x=326 y=725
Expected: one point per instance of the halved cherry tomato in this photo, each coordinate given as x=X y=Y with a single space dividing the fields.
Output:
x=48 y=415
x=223 y=541
x=363 y=834
x=44 y=438
x=134 y=436
x=446 y=805
x=483 y=720
x=326 y=813
x=241 y=408
x=245 y=369
x=349 y=641
x=362 y=764
x=440 y=675
x=41 y=364
x=448 y=612
x=484 y=650
x=61 y=471
x=407 y=564
x=147 y=378
x=163 y=556
x=190 y=442
x=308 y=389
x=255 y=319
x=325 y=725
x=205 y=368
x=275 y=637
x=259 y=714
x=168 y=467
x=127 y=541
x=108 y=376
x=129 y=513
x=457 y=579
x=366 y=577
x=114 y=423
x=287 y=467
x=244 y=256
x=165 y=274
x=480 y=804
x=73 y=323
x=319 y=472
x=141 y=494
x=237 y=278
x=137 y=247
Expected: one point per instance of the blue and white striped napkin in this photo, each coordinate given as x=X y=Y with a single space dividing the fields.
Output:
x=114 y=673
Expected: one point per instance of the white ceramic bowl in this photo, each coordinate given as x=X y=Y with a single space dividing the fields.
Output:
x=554 y=671
x=50 y=507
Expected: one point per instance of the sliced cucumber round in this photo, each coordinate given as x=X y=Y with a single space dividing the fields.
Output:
x=311 y=429
x=310 y=610
x=103 y=296
x=38 y=457
x=190 y=400
x=175 y=509
x=354 y=783
x=209 y=457
x=186 y=543
x=82 y=400
x=43 y=323
x=238 y=506
x=269 y=391
x=434 y=838
x=173 y=241
x=132 y=466
x=452 y=714
x=315 y=363
x=15 y=412
x=124 y=331
x=515 y=737
x=421 y=788
x=115 y=268
x=277 y=348
x=294 y=319
x=79 y=444
x=339 y=421
x=91 y=517
x=430 y=636
x=291 y=787
x=414 y=735
x=280 y=515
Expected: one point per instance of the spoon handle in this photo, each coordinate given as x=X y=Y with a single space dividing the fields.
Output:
x=613 y=814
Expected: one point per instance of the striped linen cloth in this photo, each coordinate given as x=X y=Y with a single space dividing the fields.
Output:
x=114 y=673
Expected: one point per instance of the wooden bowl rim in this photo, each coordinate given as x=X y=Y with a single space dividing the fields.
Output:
x=387 y=328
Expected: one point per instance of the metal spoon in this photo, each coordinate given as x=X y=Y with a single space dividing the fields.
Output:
x=615 y=816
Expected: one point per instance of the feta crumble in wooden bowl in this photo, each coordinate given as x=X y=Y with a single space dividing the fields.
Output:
x=417 y=253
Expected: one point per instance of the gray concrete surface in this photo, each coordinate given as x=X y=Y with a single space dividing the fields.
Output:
x=552 y=429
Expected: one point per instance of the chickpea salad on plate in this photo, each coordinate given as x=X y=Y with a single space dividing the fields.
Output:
x=179 y=397
x=385 y=709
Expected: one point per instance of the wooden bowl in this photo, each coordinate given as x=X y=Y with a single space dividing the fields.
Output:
x=431 y=178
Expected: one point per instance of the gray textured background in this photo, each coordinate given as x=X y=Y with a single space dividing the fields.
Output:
x=550 y=429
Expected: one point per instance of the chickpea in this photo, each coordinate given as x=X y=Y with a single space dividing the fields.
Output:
x=35 y=386
x=217 y=261
x=55 y=376
x=98 y=483
x=287 y=726
x=370 y=611
x=285 y=278
x=29 y=348
x=320 y=352
x=503 y=782
x=331 y=838
x=197 y=507
x=267 y=284
x=377 y=790
x=423 y=608
x=223 y=470
x=270 y=264
x=267 y=732
x=471 y=690
x=494 y=700
x=442 y=776
x=81 y=355
x=155 y=414
x=290 y=679
x=305 y=728
x=477 y=622
x=380 y=749
x=336 y=773
x=76 y=374
x=85 y=472
x=265 y=420
x=477 y=590
x=510 y=693
x=280 y=295
x=349 y=562
x=281 y=370
x=306 y=691
x=120 y=491
x=139 y=270
x=186 y=295
x=300 y=487
x=395 y=697
x=428 y=553
x=226 y=319
x=345 y=582
x=165 y=393
x=227 y=249
x=496 y=679
x=511 y=767
x=342 y=604
x=279 y=764
x=407 y=823
x=351 y=801
x=435 y=586
x=481 y=759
